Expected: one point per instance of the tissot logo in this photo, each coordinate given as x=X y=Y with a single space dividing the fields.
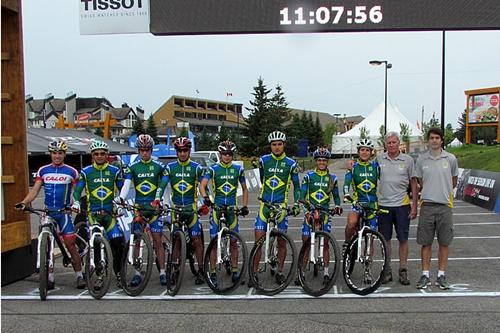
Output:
x=111 y=4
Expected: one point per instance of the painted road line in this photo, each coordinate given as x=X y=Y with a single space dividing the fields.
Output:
x=419 y=294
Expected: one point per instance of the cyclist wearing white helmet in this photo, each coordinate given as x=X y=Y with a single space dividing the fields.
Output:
x=146 y=174
x=277 y=173
x=102 y=182
x=58 y=179
x=363 y=177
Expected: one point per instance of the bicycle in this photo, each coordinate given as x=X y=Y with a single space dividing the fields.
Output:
x=278 y=253
x=48 y=234
x=139 y=253
x=365 y=257
x=226 y=256
x=318 y=253
x=178 y=248
x=99 y=260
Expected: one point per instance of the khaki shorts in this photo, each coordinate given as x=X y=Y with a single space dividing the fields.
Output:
x=435 y=219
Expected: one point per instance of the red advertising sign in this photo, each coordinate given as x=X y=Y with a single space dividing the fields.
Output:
x=483 y=108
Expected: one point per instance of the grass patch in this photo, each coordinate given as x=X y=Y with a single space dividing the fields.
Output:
x=478 y=157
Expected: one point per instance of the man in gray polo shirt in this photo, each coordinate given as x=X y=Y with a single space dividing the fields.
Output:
x=396 y=171
x=436 y=171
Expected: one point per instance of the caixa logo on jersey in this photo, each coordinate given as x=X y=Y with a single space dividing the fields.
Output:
x=113 y=16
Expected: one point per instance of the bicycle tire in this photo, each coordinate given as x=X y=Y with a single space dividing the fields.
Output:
x=309 y=283
x=165 y=242
x=128 y=269
x=99 y=272
x=82 y=239
x=276 y=287
x=175 y=275
x=222 y=275
x=369 y=271
x=44 y=266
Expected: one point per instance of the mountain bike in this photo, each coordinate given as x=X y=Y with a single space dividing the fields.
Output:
x=138 y=255
x=226 y=256
x=319 y=253
x=178 y=247
x=99 y=259
x=48 y=236
x=365 y=257
x=272 y=253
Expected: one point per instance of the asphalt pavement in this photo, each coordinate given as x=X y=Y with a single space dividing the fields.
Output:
x=472 y=303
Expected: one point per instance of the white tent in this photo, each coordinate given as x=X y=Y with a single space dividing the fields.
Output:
x=455 y=143
x=345 y=143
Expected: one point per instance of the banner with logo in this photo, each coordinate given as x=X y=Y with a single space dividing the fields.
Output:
x=483 y=108
x=114 y=16
x=481 y=188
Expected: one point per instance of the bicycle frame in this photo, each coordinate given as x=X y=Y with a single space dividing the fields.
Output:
x=276 y=212
x=364 y=223
x=95 y=230
x=222 y=220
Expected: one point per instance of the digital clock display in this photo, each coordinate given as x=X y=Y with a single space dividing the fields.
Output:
x=180 y=17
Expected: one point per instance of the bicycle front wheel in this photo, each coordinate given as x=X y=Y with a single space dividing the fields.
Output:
x=44 y=249
x=318 y=273
x=82 y=239
x=271 y=271
x=137 y=265
x=233 y=257
x=363 y=272
x=175 y=254
x=99 y=275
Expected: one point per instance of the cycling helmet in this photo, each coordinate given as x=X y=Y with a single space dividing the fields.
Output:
x=226 y=147
x=144 y=141
x=365 y=143
x=321 y=153
x=58 y=145
x=182 y=142
x=276 y=136
x=98 y=144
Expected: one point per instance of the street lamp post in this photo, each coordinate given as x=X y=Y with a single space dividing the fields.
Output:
x=387 y=66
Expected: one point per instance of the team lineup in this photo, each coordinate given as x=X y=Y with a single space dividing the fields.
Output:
x=383 y=191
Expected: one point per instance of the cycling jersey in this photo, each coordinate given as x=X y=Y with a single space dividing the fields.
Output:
x=318 y=188
x=57 y=181
x=147 y=176
x=363 y=177
x=184 y=178
x=225 y=179
x=276 y=174
x=101 y=183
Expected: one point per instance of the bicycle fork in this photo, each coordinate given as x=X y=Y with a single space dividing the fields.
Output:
x=219 y=245
x=51 y=249
x=132 y=247
x=368 y=245
x=312 y=256
x=94 y=233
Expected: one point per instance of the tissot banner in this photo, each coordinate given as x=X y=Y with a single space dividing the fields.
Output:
x=481 y=188
x=114 y=16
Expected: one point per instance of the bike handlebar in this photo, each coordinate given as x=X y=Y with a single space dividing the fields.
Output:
x=311 y=207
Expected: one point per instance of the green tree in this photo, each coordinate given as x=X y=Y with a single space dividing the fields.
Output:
x=99 y=132
x=258 y=126
x=278 y=113
x=183 y=132
x=151 y=129
x=364 y=133
x=294 y=133
x=460 y=131
x=448 y=134
x=405 y=133
x=328 y=133
x=318 y=132
x=205 y=141
x=381 y=138
x=433 y=122
x=138 y=127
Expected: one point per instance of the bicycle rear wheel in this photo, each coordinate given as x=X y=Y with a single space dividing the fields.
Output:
x=233 y=250
x=281 y=258
x=140 y=265
x=99 y=276
x=312 y=276
x=44 y=266
x=363 y=274
x=175 y=253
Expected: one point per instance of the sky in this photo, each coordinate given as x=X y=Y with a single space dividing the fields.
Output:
x=326 y=72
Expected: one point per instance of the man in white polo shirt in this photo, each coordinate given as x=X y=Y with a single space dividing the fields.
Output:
x=436 y=171
x=396 y=171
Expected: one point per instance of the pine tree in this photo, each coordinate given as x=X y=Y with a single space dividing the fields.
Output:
x=205 y=141
x=279 y=114
x=405 y=134
x=364 y=133
x=138 y=127
x=318 y=132
x=460 y=132
x=151 y=129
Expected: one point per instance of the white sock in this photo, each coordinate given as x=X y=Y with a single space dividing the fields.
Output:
x=325 y=273
x=79 y=274
x=426 y=273
x=51 y=277
x=162 y=271
x=440 y=273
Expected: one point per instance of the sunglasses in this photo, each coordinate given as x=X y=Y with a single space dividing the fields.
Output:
x=227 y=154
x=99 y=154
x=182 y=150
x=321 y=160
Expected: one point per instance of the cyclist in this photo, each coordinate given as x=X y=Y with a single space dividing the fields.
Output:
x=146 y=174
x=319 y=187
x=277 y=172
x=225 y=177
x=58 y=179
x=184 y=176
x=363 y=176
x=101 y=182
